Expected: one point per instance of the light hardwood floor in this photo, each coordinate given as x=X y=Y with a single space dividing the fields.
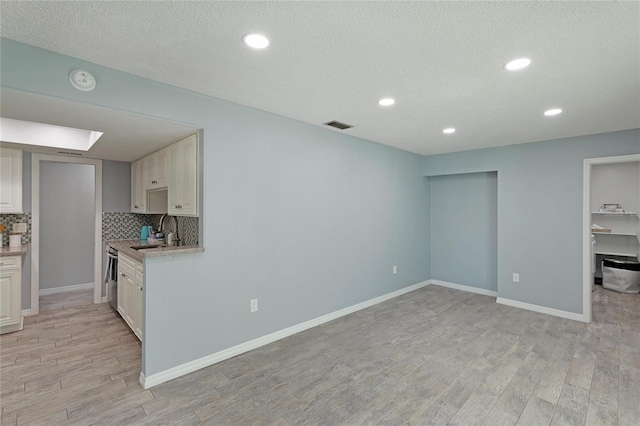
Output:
x=431 y=357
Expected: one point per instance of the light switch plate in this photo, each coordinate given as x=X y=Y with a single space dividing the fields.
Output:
x=20 y=227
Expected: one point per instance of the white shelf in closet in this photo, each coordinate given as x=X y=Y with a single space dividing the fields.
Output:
x=626 y=234
x=618 y=214
x=615 y=253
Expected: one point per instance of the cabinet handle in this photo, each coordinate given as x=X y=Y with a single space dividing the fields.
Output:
x=136 y=207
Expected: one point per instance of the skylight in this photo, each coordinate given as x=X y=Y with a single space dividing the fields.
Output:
x=29 y=133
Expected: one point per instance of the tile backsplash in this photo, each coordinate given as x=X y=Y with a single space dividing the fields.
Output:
x=187 y=228
x=127 y=225
x=9 y=219
x=119 y=226
x=115 y=226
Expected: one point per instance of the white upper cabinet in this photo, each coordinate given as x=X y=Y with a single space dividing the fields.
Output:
x=174 y=168
x=138 y=191
x=10 y=180
x=183 y=177
x=157 y=165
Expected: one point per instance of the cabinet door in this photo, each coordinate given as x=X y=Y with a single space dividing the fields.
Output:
x=122 y=291
x=11 y=300
x=189 y=205
x=175 y=179
x=157 y=169
x=137 y=317
x=138 y=191
x=183 y=177
x=148 y=170
x=10 y=180
x=126 y=294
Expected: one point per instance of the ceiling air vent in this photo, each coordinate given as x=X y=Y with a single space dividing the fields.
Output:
x=338 y=125
x=69 y=153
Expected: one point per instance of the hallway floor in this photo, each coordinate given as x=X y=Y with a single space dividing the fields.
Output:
x=433 y=356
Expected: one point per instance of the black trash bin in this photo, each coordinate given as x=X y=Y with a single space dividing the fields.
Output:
x=621 y=275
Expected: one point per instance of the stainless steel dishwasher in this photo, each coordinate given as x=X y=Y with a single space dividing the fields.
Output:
x=111 y=277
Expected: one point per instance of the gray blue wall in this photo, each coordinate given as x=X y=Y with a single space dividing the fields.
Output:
x=67 y=221
x=306 y=219
x=464 y=229
x=116 y=186
x=539 y=211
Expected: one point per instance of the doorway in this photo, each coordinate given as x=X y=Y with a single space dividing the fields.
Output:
x=588 y=219
x=58 y=254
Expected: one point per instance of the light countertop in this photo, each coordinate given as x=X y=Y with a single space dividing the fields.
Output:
x=13 y=251
x=124 y=247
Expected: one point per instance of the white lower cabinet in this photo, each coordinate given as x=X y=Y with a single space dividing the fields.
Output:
x=10 y=294
x=130 y=293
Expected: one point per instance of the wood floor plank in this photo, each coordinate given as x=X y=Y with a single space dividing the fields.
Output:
x=537 y=412
x=572 y=406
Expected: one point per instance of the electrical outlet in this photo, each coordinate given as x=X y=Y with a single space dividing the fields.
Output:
x=516 y=278
x=20 y=227
x=395 y=269
x=254 y=305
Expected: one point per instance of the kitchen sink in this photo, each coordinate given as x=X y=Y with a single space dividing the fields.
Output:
x=148 y=246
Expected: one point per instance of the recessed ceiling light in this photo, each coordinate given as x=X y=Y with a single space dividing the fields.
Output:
x=517 y=64
x=386 y=101
x=449 y=130
x=554 y=111
x=257 y=41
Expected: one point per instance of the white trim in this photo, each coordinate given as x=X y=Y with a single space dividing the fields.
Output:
x=470 y=289
x=65 y=289
x=26 y=312
x=104 y=299
x=586 y=226
x=189 y=367
x=35 y=224
x=541 y=309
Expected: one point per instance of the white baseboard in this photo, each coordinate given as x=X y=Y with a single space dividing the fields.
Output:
x=541 y=309
x=470 y=289
x=104 y=299
x=26 y=312
x=189 y=367
x=55 y=290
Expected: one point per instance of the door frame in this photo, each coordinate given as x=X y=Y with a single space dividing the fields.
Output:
x=586 y=225
x=35 y=224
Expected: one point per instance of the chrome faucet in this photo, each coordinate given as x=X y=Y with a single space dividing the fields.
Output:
x=175 y=222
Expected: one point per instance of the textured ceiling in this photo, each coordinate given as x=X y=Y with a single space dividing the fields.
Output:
x=441 y=61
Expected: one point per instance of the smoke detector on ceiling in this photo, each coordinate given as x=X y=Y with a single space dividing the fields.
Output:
x=82 y=80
